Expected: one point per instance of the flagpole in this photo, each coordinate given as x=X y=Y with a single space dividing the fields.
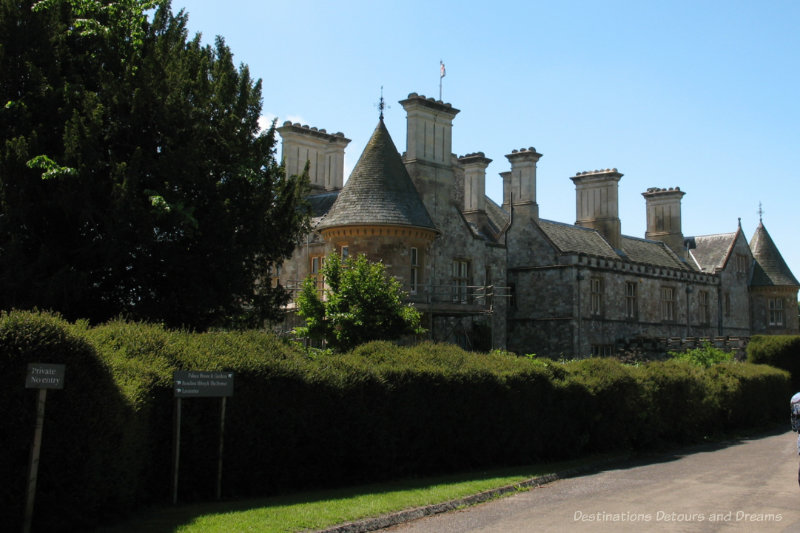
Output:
x=441 y=75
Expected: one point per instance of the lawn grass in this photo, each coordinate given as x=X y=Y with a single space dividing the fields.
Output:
x=320 y=509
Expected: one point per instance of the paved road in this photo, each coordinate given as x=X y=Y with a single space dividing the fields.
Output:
x=748 y=485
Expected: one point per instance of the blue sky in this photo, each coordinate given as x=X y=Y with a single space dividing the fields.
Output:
x=699 y=94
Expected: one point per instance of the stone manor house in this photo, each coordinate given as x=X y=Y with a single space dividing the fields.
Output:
x=498 y=276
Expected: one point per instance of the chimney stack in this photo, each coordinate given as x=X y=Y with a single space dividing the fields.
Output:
x=474 y=181
x=664 y=217
x=323 y=151
x=429 y=129
x=521 y=189
x=597 y=203
x=506 y=177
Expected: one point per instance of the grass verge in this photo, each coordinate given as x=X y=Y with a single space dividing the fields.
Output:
x=321 y=509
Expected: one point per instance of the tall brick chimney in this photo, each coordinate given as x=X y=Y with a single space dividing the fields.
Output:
x=664 y=217
x=597 y=203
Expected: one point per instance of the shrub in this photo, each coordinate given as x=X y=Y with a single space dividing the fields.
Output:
x=781 y=351
x=361 y=303
x=705 y=356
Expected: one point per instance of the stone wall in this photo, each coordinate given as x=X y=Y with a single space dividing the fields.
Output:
x=762 y=321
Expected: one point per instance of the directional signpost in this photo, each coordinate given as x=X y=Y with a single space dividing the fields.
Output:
x=40 y=376
x=190 y=384
x=193 y=384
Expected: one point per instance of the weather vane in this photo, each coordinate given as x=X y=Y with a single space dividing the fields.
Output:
x=760 y=211
x=381 y=104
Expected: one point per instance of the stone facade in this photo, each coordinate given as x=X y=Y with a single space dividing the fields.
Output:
x=497 y=276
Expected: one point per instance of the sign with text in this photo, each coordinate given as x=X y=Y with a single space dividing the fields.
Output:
x=45 y=376
x=190 y=384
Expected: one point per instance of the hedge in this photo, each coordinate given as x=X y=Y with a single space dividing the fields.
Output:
x=297 y=421
x=781 y=351
x=88 y=455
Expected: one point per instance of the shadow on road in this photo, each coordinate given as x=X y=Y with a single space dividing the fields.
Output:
x=667 y=454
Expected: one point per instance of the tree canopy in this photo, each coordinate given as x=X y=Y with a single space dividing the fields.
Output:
x=135 y=179
x=360 y=303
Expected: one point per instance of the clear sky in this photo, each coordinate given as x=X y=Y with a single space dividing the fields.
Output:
x=699 y=94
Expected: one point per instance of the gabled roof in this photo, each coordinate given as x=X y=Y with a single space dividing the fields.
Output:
x=711 y=252
x=770 y=268
x=379 y=190
x=568 y=238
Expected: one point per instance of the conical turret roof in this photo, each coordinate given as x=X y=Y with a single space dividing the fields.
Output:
x=379 y=191
x=770 y=268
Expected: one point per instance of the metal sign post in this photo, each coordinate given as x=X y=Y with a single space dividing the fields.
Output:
x=190 y=384
x=219 y=454
x=176 y=450
x=39 y=376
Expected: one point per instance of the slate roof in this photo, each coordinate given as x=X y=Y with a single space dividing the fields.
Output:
x=576 y=239
x=490 y=227
x=497 y=215
x=321 y=203
x=711 y=251
x=379 y=190
x=569 y=238
x=770 y=268
x=652 y=253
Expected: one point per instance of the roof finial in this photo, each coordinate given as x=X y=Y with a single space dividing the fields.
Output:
x=760 y=212
x=381 y=104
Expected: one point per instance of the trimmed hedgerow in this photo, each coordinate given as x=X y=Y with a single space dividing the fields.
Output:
x=142 y=358
x=673 y=403
x=85 y=470
x=781 y=351
x=745 y=395
x=313 y=420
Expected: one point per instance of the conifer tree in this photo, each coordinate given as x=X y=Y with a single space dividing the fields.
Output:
x=134 y=178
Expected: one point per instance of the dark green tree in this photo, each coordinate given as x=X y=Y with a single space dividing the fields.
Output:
x=360 y=303
x=134 y=177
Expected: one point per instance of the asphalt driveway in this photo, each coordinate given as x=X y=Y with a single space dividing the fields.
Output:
x=747 y=485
